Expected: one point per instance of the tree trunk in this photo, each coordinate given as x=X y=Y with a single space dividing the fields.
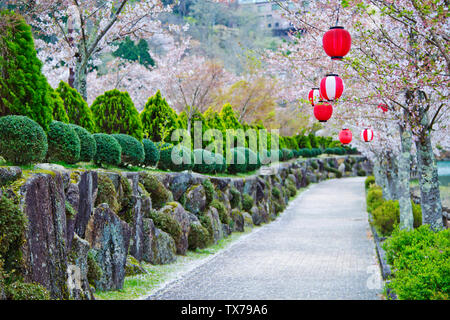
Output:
x=80 y=82
x=380 y=172
x=404 y=170
x=392 y=177
x=429 y=183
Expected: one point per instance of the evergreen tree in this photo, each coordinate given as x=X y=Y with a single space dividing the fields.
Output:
x=158 y=119
x=57 y=104
x=23 y=88
x=77 y=109
x=230 y=117
x=114 y=112
x=132 y=52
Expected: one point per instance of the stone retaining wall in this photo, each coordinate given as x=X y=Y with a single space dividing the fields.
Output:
x=151 y=216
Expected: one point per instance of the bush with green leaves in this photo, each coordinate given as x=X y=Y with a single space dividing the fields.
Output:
x=420 y=260
x=247 y=202
x=158 y=193
x=57 y=105
x=166 y=223
x=132 y=149
x=287 y=154
x=63 y=143
x=23 y=88
x=209 y=190
x=88 y=146
x=109 y=150
x=223 y=214
x=252 y=160
x=114 y=112
x=26 y=291
x=374 y=198
x=77 y=109
x=175 y=158
x=235 y=198
x=370 y=180
x=386 y=216
x=198 y=237
x=22 y=140
x=221 y=164
x=333 y=170
x=236 y=162
x=361 y=173
x=151 y=153
x=205 y=161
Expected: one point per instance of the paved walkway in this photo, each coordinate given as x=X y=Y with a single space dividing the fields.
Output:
x=320 y=248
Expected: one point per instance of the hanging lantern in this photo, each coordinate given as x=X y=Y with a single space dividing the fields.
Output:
x=367 y=135
x=345 y=136
x=331 y=87
x=383 y=107
x=323 y=111
x=337 y=42
x=314 y=96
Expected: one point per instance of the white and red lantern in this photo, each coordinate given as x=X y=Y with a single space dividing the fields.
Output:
x=323 y=111
x=314 y=96
x=337 y=42
x=383 y=107
x=331 y=87
x=345 y=136
x=367 y=135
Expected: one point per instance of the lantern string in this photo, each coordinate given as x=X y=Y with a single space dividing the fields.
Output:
x=337 y=15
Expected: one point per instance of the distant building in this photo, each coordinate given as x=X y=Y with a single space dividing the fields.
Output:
x=270 y=14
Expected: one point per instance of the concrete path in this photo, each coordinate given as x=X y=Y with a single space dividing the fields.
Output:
x=320 y=248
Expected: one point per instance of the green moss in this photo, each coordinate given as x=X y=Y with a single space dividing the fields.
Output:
x=209 y=190
x=70 y=211
x=276 y=193
x=26 y=291
x=208 y=224
x=94 y=271
x=126 y=201
x=107 y=193
x=291 y=188
x=159 y=194
x=369 y=181
x=198 y=237
x=223 y=214
x=166 y=223
x=236 y=198
x=247 y=202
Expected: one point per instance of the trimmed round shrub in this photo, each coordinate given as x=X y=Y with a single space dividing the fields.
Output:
x=287 y=154
x=175 y=158
x=251 y=159
x=374 y=198
x=151 y=153
x=369 y=181
x=221 y=164
x=265 y=157
x=108 y=149
x=247 y=202
x=237 y=162
x=198 y=237
x=386 y=217
x=22 y=140
x=88 y=146
x=205 y=161
x=63 y=143
x=132 y=150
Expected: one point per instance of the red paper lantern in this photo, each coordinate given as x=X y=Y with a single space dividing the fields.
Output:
x=367 y=135
x=314 y=96
x=337 y=42
x=331 y=87
x=345 y=136
x=383 y=107
x=323 y=111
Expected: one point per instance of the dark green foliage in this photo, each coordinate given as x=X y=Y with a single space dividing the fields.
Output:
x=314 y=165
x=237 y=163
x=286 y=154
x=421 y=263
x=198 y=237
x=107 y=193
x=126 y=201
x=369 y=181
x=236 y=198
x=361 y=173
x=264 y=157
x=183 y=158
x=208 y=224
x=57 y=106
x=132 y=149
x=386 y=217
x=114 y=112
x=12 y=235
x=88 y=146
x=158 y=118
x=76 y=108
x=94 y=271
x=333 y=170
x=109 y=150
x=26 y=291
x=223 y=214
x=252 y=160
x=247 y=202
x=276 y=193
x=63 y=143
x=22 y=140
x=158 y=193
x=151 y=153
x=205 y=161
x=167 y=224
x=374 y=198
x=23 y=88
x=130 y=51
x=209 y=191
x=221 y=164
x=291 y=188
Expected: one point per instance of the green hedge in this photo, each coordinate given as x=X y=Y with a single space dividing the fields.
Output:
x=22 y=140
x=151 y=153
x=370 y=180
x=252 y=160
x=205 y=161
x=183 y=158
x=221 y=164
x=63 y=143
x=108 y=149
x=237 y=163
x=420 y=261
x=374 y=198
x=247 y=202
x=88 y=146
x=132 y=150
